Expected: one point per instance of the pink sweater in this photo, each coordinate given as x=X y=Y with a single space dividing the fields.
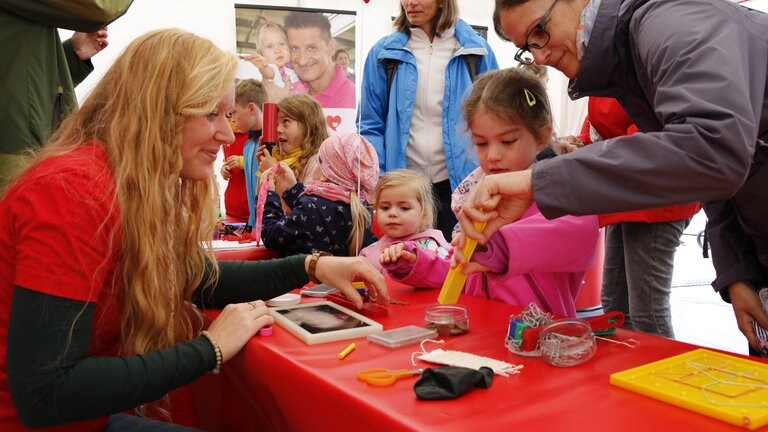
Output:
x=533 y=260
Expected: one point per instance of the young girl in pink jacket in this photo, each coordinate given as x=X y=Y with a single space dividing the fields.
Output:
x=405 y=211
x=533 y=260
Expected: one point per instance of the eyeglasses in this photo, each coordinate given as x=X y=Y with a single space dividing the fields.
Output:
x=537 y=38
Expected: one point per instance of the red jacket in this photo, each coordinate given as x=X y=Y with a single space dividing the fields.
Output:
x=609 y=120
x=235 y=196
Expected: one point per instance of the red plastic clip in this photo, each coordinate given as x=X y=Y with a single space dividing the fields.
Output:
x=606 y=323
x=371 y=310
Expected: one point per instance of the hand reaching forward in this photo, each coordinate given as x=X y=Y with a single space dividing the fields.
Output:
x=747 y=308
x=340 y=272
x=392 y=253
x=498 y=199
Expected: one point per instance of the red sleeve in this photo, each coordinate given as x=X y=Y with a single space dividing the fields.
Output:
x=584 y=135
x=63 y=224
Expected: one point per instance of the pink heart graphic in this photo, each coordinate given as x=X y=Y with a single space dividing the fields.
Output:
x=333 y=121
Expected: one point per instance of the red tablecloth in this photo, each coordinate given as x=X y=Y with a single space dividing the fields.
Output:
x=278 y=383
x=253 y=253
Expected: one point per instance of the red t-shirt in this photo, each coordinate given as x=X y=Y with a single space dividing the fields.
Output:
x=235 y=195
x=56 y=224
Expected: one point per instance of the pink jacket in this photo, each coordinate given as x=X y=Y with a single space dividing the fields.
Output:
x=373 y=251
x=533 y=260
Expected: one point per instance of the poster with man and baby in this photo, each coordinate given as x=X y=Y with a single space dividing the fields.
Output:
x=295 y=51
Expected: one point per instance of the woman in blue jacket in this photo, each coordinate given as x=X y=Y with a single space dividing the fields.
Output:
x=414 y=81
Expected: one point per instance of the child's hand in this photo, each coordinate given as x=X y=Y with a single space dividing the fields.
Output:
x=225 y=174
x=258 y=60
x=269 y=177
x=266 y=160
x=232 y=162
x=285 y=178
x=395 y=252
x=458 y=258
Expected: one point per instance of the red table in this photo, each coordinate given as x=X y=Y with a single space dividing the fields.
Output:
x=278 y=383
x=252 y=253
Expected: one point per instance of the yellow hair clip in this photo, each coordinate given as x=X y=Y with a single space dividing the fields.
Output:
x=530 y=98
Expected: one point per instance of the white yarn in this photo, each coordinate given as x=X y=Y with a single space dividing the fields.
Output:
x=473 y=361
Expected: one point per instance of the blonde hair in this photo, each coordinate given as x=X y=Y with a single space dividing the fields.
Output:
x=515 y=95
x=136 y=113
x=446 y=17
x=361 y=220
x=266 y=26
x=421 y=186
x=250 y=91
x=306 y=111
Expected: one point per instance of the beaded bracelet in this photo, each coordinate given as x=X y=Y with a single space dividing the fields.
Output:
x=216 y=349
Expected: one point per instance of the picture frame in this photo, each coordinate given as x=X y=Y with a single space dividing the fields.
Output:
x=320 y=322
x=309 y=49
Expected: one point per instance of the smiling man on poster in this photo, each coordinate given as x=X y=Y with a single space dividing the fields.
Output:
x=312 y=47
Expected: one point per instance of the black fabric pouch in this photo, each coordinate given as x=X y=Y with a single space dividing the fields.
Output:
x=451 y=382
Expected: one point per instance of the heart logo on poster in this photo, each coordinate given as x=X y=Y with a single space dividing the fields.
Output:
x=333 y=121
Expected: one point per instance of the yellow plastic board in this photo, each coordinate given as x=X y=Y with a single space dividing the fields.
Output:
x=454 y=281
x=721 y=386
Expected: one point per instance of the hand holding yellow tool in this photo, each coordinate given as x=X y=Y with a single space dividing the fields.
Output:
x=454 y=281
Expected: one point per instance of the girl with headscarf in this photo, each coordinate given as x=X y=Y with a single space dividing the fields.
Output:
x=329 y=214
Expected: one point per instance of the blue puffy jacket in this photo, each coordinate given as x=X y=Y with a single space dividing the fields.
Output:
x=386 y=123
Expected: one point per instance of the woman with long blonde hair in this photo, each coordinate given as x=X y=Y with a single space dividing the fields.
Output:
x=106 y=246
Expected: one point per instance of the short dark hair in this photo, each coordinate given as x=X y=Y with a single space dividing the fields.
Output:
x=300 y=20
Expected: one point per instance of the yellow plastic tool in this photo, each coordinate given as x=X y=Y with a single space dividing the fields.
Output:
x=454 y=282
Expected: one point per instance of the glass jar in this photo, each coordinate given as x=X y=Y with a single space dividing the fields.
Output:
x=447 y=320
x=566 y=343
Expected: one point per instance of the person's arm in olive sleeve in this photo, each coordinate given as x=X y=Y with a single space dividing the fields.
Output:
x=242 y=281
x=52 y=379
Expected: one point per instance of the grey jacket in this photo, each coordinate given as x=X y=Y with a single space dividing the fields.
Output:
x=692 y=75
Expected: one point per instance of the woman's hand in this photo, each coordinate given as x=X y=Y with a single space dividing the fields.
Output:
x=237 y=323
x=498 y=199
x=395 y=252
x=747 y=308
x=340 y=272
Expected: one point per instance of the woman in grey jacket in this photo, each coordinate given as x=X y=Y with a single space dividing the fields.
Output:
x=692 y=76
x=414 y=81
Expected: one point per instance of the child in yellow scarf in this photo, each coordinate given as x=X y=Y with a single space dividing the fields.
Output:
x=300 y=131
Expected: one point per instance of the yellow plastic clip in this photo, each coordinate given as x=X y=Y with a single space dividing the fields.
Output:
x=454 y=281
x=529 y=97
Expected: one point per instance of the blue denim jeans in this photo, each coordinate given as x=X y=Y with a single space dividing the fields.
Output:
x=123 y=422
x=637 y=273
